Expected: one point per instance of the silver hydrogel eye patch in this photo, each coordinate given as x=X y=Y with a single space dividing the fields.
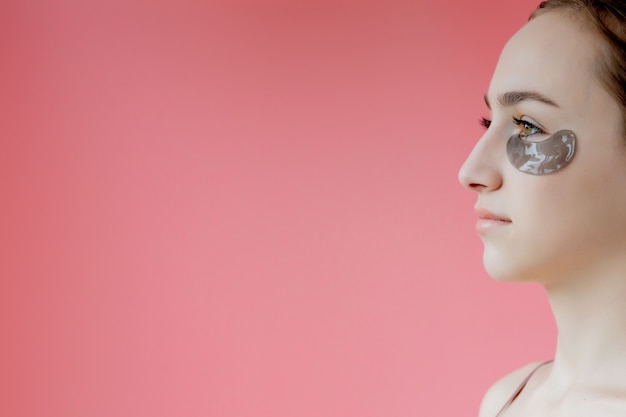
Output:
x=545 y=157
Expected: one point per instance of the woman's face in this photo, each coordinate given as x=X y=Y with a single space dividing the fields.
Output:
x=570 y=221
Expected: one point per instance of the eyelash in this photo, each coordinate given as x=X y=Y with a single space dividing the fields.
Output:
x=534 y=130
x=484 y=122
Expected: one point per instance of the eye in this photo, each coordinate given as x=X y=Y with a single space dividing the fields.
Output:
x=485 y=122
x=527 y=128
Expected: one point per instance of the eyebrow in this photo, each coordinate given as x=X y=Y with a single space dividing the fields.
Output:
x=511 y=98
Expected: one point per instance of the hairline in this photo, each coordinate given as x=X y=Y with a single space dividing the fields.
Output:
x=601 y=68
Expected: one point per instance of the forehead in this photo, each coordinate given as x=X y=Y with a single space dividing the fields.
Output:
x=552 y=55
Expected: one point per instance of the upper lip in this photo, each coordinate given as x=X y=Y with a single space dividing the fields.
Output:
x=488 y=215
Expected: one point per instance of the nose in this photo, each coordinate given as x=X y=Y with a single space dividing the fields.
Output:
x=481 y=171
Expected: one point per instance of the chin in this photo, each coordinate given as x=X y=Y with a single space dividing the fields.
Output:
x=501 y=274
x=506 y=268
x=513 y=267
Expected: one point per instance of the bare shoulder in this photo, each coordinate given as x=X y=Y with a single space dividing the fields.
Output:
x=500 y=392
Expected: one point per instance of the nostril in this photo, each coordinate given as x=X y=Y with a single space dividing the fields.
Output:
x=476 y=186
x=480 y=175
x=481 y=169
x=469 y=181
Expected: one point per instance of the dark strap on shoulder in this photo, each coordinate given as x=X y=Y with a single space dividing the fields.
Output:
x=519 y=389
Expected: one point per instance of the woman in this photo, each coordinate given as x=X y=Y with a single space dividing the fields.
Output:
x=550 y=178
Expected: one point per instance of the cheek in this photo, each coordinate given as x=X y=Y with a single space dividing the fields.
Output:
x=574 y=213
x=547 y=212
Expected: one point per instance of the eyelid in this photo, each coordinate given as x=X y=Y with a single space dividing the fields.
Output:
x=528 y=121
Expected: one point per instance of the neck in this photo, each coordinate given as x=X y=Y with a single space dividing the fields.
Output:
x=590 y=314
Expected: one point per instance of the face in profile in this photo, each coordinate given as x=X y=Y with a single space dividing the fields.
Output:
x=546 y=227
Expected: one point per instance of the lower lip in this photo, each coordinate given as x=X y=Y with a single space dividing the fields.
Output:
x=487 y=225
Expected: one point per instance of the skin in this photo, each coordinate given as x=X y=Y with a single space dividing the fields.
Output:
x=567 y=230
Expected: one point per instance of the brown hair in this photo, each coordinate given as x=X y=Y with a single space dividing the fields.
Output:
x=608 y=19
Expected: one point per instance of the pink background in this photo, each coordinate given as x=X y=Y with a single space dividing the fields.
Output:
x=238 y=208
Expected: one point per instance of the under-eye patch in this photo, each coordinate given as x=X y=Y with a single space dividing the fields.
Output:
x=545 y=157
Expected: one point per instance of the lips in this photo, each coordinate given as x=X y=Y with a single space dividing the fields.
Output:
x=488 y=221
x=485 y=214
